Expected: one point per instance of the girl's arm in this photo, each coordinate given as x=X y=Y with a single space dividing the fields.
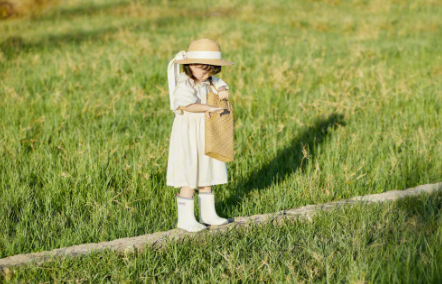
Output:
x=223 y=93
x=222 y=88
x=219 y=83
x=197 y=107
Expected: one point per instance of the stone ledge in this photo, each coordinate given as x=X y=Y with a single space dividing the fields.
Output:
x=128 y=245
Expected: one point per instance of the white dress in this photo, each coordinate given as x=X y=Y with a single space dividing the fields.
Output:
x=187 y=165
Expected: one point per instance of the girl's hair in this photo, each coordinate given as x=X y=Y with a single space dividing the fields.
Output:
x=213 y=70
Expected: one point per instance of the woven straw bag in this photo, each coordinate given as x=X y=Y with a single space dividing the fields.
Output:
x=219 y=130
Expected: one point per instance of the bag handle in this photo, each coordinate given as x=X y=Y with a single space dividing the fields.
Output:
x=228 y=104
x=210 y=89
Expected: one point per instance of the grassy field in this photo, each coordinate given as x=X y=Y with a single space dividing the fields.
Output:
x=388 y=243
x=332 y=99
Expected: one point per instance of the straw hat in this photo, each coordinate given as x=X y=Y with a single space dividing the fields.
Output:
x=203 y=51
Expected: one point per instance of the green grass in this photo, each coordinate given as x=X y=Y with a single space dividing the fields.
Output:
x=332 y=99
x=378 y=243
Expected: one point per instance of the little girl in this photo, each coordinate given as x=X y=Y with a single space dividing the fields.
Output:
x=188 y=167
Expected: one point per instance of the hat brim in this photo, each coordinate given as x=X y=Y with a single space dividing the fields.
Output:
x=216 y=62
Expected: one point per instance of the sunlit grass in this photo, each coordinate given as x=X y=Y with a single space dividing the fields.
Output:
x=333 y=99
x=388 y=243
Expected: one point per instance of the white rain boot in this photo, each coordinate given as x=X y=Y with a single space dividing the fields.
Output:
x=186 y=215
x=208 y=216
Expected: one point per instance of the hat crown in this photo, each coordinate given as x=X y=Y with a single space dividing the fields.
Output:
x=204 y=45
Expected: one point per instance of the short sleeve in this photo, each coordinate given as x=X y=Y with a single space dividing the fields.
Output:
x=184 y=95
x=220 y=83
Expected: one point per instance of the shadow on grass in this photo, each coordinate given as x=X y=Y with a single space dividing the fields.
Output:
x=287 y=161
x=55 y=12
x=82 y=10
x=421 y=208
x=16 y=45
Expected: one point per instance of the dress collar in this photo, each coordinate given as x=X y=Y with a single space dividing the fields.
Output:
x=192 y=83
x=205 y=82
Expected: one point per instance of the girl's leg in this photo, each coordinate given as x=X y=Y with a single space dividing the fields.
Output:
x=207 y=212
x=205 y=189
x=186 y=211
x=186 y=191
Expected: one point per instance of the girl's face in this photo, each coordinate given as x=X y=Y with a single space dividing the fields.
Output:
x=199 y=73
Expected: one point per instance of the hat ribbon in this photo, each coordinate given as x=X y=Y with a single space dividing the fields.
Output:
x=173 y=71
x=204 y=55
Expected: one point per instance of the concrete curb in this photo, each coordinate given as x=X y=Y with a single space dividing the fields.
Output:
x=128 y=245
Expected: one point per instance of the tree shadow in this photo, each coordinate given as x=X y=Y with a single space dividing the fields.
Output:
x=81 y=10
x=286 y=162
x=55 y=11
x=17 y=45
x=422 y=208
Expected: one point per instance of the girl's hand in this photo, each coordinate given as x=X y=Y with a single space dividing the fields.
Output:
x=214 y=110
x=223 y=94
